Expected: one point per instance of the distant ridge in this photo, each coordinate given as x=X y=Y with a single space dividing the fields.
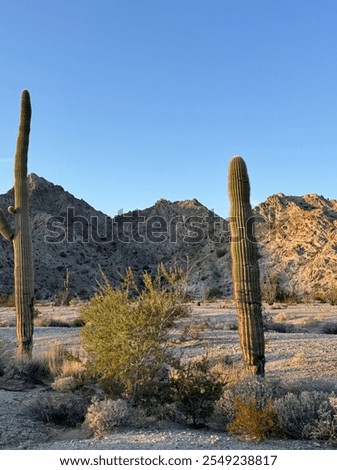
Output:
x=69 y=234
x=297 y=241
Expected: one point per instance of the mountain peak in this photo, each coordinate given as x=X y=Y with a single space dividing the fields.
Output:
x=34 y=181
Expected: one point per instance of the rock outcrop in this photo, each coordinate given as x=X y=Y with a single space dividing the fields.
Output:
x=298 y=242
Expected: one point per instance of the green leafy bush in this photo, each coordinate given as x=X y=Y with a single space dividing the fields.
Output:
x=125 y=329
x=197 y=389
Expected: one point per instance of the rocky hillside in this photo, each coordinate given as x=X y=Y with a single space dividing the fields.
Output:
x=69 y=234
x=297 y=240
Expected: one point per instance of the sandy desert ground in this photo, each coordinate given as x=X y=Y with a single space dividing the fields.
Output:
x=303 y=354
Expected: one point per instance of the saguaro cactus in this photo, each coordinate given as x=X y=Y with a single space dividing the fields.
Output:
x=245 y=268
x=21 y=237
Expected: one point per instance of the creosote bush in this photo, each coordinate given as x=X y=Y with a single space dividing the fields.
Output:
x=125 y=329
x=197 y=389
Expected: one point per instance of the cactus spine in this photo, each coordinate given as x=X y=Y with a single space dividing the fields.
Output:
x=21 y=237
x=245 y=268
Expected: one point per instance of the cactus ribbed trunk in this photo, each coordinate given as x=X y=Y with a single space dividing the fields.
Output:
x=245 y=268
x=23 y=259
x=21 y=236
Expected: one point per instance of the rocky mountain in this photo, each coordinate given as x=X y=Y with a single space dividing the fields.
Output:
x=69 y=234
x=297 y=240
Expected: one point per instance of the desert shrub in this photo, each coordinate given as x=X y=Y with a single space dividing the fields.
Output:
x=7 y=300
x=54 y=358
x=55 y=322
x=297 y=414
x=231 y=325
x=63 y=297
x=192 y=331
x=246 y=407
x=331 y=296
x=65 y=384
x=53 y=363
x=262 y=390
x=290 y=297
x=42 y=368
x=213 y=293
x=224 y=407
x=34 y=371
x=253 y=421
x=65 y=409
x=103 y=416
x=125 y=329
x=270 y=289
x=279 y=327
x=325 y=426
x=329 y=328
x=197 y=389
x=310 y=384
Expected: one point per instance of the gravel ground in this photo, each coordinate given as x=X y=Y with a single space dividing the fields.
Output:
x=301 y=355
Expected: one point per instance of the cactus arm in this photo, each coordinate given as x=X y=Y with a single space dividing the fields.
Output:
x=245 y=268
x=5 y=229
x=23 y=260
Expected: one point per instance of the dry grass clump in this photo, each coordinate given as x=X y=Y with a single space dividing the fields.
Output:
x=281 y=317
x=56 y=322
x=252 y=421
x=298 y=359
x=46 y=367
x=192 y=331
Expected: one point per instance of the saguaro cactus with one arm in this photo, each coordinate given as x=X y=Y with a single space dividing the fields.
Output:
x=21 y=236
x=245 y=268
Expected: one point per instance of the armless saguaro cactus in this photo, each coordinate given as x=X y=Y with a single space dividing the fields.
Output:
x=245 y=268
x=21 y=236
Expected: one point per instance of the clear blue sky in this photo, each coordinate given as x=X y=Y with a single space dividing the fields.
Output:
x=135 y=100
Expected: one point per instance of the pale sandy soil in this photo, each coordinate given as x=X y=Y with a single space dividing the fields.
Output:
x=304 y=354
